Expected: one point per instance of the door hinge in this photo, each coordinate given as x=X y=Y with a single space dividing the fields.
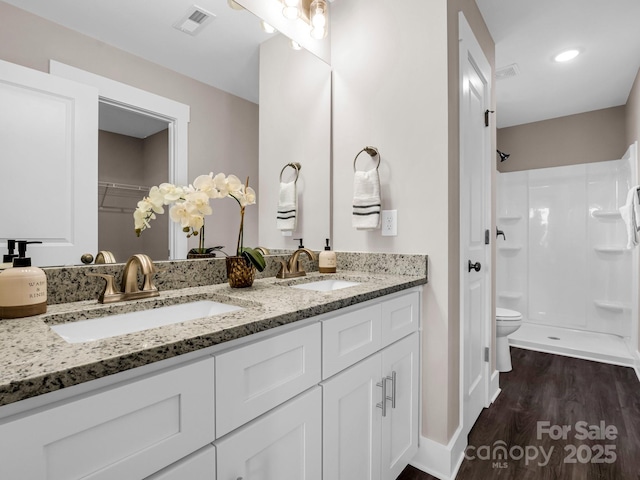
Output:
x=486 y=354
x=486 y=116
x=487 y=237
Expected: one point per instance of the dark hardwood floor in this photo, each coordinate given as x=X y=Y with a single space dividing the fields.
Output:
x=557 y=418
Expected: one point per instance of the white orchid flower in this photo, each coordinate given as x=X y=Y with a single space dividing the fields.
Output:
x=234 y=185
x=171 y=193
x=200 y=201
x=220 y=186
x=187 y=215
x=141 y=219
x=245 y=198
x=205 y=184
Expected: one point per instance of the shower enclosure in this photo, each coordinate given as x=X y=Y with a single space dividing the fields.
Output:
x=564 y=262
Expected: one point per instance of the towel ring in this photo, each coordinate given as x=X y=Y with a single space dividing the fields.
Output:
x=372 y=151
x=296 y=166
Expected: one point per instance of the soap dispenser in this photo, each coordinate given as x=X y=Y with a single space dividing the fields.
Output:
x=7 y=259
x=23 y=288
x=327 y=260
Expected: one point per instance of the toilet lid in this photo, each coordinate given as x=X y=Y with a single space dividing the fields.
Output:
x=506 y=314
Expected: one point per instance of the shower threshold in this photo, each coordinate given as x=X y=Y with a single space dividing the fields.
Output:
x=598 y=347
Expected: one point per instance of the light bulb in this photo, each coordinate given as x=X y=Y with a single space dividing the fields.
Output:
x=291 y=9
x=567 y=55
x=318 y=19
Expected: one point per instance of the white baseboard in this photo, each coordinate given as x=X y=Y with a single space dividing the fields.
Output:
x=441 y=461
x=636 y=362
x=494 y=386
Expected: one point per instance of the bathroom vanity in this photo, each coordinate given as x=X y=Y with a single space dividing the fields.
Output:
x=315 y=383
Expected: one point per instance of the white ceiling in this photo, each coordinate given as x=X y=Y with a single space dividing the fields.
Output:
x=530 y=33
x=225 y=54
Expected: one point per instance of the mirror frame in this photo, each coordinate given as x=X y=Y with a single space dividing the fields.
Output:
x=176 y=114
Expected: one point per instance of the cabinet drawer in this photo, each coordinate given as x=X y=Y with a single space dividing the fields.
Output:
x=350 y=337
x=400 y=317
x=257 y=377
x=126 y=432
x=284 y=444
x=200 y=465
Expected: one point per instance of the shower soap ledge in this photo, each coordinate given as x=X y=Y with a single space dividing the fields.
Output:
x=610 y=249
x=617 y=307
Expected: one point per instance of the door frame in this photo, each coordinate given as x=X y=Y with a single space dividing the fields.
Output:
x=469 y=44
x=176 y=114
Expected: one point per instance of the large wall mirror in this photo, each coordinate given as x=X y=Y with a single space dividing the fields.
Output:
x=117 y=184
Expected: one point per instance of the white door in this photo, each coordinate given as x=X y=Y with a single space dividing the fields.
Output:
x=352 y=422
x=49 y=162
x=400 y=425
x=284 y=444
x=475 y=219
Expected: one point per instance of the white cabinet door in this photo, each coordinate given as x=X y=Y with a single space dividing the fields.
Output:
x=200 y=465
x=351 y=423
x=400 y=426
x=126 y=432
x=253 y=379
x=360 y=440
x=284 y=444
x=49 y=158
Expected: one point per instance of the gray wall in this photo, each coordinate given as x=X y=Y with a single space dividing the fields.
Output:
x=581 y=138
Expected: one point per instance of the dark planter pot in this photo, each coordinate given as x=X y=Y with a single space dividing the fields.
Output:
x=240 y=272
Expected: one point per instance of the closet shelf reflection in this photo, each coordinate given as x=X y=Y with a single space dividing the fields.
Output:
x=119 y=197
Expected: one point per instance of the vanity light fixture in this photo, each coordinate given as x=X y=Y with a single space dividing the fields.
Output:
x=291 y=9
x=313 y=12
x=567 y=55
x=318 y=19
x=235 y=5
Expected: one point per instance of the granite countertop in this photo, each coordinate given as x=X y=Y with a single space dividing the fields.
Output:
x=35 y=360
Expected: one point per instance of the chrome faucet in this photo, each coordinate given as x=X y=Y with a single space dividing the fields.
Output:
x=130 y=290
x=292 y=267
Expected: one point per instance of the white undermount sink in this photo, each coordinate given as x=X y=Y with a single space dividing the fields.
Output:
x=326 y=285
x=120 y=324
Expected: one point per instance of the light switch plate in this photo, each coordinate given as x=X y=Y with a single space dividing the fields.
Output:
x=389 y=223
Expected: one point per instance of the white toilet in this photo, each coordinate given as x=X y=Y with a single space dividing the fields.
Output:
x=507 y=322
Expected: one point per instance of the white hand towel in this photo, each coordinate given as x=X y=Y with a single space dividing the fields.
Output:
x=630 y=214
x=366 y=200
x=287 y=207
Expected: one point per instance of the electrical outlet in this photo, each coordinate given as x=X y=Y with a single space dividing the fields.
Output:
x=389 y=223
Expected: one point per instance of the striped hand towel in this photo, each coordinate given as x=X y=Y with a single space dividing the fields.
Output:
x=287 y=207
x=366 y=200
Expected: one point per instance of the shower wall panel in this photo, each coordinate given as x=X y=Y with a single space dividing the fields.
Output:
x=564 y=261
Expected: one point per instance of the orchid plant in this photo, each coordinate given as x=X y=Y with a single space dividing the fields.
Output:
x=190 y=204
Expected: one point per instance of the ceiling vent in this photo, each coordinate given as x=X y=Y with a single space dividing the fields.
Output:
x=194 y=20
x=507 y=72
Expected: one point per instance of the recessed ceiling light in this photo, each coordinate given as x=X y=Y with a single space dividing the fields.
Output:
x=567 y=55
